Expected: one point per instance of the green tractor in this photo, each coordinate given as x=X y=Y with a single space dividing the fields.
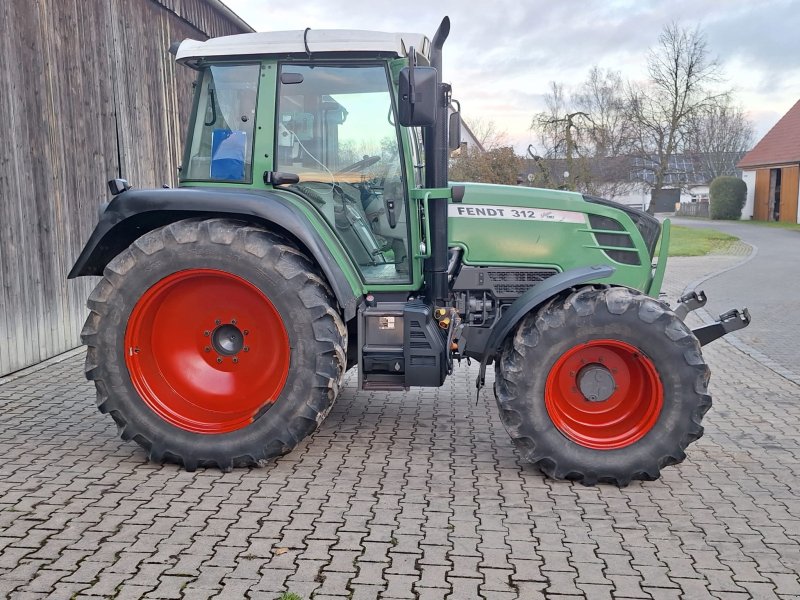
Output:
x=315 y=230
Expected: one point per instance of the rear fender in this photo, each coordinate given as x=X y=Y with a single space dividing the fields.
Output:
x=534 y=297
x=133 y=213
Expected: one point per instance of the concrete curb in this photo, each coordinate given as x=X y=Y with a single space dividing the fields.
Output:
x=731 y=338
x=43 y=365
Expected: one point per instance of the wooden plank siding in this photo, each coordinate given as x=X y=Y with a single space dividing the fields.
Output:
x=89 y=93
x=761 y=197
x=789 y=190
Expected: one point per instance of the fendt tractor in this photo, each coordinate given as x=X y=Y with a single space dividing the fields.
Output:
x=314 y=230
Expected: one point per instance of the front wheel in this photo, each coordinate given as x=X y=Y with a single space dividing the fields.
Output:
x=214 y=343
x=603 y=385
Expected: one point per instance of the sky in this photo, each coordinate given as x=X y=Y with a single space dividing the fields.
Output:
x=501 y=55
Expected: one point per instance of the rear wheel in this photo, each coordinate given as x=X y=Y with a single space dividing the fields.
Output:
x=602 y=385
x=214 y=343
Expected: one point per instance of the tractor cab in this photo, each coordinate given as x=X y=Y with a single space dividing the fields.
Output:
x=299 y=112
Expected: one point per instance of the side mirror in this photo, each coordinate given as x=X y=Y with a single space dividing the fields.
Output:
x=417 y=91
x=454 y=131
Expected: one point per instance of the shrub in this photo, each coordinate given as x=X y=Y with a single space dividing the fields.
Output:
x=727 y=196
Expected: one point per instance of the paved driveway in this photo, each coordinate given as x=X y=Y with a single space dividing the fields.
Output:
x=769 y=284
x=415 y=495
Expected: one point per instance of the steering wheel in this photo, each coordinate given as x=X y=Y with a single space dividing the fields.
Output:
x=365 y=162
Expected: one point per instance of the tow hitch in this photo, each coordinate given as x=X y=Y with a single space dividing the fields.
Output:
x=727 y=322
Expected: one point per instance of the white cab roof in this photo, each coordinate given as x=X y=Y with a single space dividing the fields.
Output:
x=292 y=42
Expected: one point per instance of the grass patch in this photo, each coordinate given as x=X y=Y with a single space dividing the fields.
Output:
x=691 y=241
x=776 y=224
x=290 y=596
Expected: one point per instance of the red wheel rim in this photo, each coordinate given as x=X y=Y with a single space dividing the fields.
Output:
x=604 y=394
x=206 y=350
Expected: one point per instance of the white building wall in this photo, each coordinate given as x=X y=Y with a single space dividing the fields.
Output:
x=749 y=177
x=639 y=197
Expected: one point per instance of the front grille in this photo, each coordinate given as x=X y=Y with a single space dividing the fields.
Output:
x=515 y=283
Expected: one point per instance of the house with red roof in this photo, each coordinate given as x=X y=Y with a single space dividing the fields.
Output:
x=771 y=171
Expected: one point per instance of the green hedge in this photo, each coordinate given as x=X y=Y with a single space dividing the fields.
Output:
x=727 y=196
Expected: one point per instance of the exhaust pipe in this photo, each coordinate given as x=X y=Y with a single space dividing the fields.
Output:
x=436 y=153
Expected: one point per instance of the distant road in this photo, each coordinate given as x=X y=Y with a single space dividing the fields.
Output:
x=768 y=284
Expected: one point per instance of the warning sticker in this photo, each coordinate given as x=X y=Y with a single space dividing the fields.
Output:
x=515 y=213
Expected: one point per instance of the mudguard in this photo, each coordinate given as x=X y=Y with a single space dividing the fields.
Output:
x=133 y=213
x=530 y=300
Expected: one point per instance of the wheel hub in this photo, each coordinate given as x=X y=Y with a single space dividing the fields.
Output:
x=227 y=340
x=596 y=383
x=185 y=349
x=604 y=394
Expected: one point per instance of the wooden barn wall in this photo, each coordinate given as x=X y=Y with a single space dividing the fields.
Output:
x=89 y=93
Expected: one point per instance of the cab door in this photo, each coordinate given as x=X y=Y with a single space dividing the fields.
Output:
x=336 y=130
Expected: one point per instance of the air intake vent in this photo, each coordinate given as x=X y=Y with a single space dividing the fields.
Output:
x=611 y=240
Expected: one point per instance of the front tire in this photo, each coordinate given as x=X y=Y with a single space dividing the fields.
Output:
x=602 y=385
x=214 y=343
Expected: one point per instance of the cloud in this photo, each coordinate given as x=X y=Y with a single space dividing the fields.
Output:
x=501 y=56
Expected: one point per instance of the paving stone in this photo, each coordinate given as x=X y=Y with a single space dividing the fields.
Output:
x=416 y=494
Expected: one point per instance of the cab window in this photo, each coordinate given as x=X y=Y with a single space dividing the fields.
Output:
x=221 y=146
x=336 y=130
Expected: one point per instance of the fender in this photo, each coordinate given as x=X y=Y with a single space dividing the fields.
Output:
x=531 y=299
x=133 y=213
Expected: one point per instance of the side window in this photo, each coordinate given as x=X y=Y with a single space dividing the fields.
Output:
x=221 y=147
x=336 y=130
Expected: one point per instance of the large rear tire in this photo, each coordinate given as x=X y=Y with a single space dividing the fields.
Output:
x=214 y=343
x=602 y=385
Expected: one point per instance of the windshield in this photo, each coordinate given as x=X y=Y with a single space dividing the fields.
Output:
x=336 y=130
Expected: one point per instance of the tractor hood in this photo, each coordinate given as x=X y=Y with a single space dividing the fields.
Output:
x=530 y=227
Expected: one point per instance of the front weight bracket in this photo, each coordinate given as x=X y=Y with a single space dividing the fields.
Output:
x=732 y=320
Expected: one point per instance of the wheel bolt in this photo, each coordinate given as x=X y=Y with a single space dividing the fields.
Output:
x=246 y=332
x=233 y=321
x=235 y=359
x=206 y=333
x=207 y=348
x=217 y=322
x=246 y=348
x=219 y=359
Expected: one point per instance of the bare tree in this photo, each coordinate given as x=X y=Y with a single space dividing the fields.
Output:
x=602 y=96
x=562 y=133
x=680 y=74
x=487 y=134
x=719 y=135
x=589 y=131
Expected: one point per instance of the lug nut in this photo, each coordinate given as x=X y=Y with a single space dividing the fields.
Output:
x=246 y=348
x=246 y=332
x=233 y=321
x=219 y=359
x=206 y=333
x=217 y=322
x=207 y=348
x=235 y=359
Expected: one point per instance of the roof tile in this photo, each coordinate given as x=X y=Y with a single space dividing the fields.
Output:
x=781 y=144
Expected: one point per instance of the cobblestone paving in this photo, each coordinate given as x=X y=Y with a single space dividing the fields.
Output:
x=416 y=495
